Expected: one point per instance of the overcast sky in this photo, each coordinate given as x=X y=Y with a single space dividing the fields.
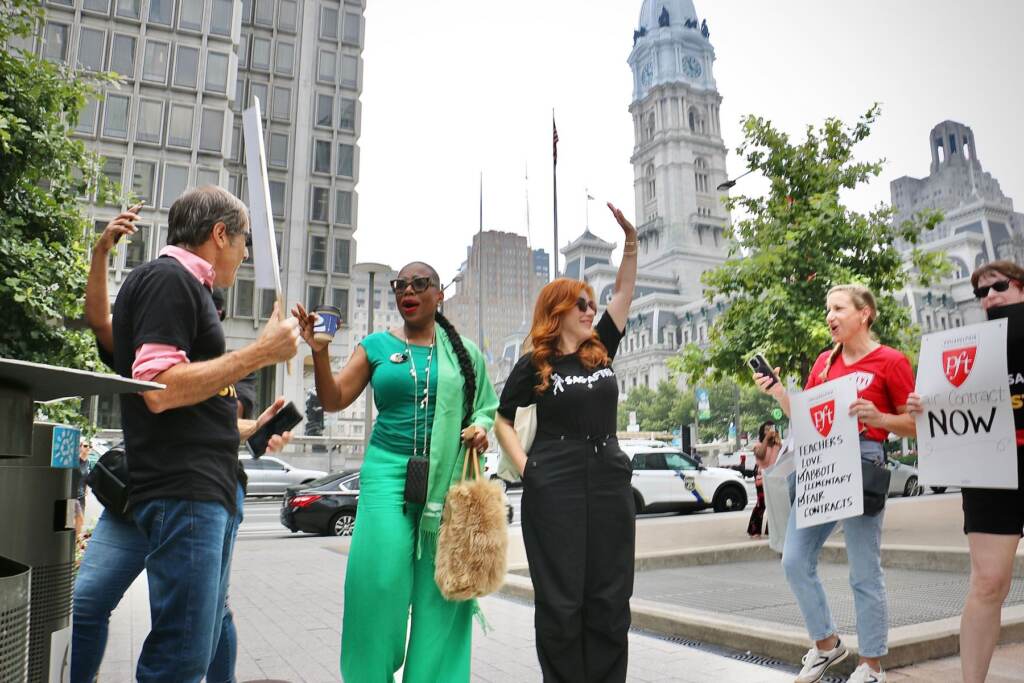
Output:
x=455 y=87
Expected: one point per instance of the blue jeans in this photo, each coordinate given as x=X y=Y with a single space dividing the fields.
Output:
x=114 y=558
x=863 y=537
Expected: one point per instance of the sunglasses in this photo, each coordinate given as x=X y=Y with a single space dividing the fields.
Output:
x=419 y=284
x=583 y=304
x=982 y=292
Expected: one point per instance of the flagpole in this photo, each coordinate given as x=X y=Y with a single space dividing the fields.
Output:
x=480 y=269
x=554 y=187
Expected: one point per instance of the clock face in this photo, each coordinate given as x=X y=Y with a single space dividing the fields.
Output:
x=647 y=75
x=691 y=66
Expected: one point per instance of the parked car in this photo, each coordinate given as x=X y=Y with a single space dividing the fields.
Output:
x=270 y=476
x=326 y=506
x=903 y=481
x=665 y=479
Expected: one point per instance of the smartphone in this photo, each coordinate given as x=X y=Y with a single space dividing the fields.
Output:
x=285 y=419
x=131 y=209
x=760 y=366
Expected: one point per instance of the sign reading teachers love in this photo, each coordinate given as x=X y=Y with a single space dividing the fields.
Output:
x=966 y=435
x=827 y=450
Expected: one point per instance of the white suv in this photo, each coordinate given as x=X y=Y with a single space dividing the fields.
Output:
x=667 y=480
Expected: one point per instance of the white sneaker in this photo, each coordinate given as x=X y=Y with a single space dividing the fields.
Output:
x=816 y=662
x=865 y=674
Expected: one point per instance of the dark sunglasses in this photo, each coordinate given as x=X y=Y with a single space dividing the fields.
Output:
x=419 y=284
x=982 y=292
x=582 y=304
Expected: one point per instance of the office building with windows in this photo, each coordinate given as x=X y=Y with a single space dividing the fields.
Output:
x=187 y=69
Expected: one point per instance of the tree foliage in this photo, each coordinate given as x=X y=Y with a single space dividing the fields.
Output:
x=794 y=243
x=43 y=231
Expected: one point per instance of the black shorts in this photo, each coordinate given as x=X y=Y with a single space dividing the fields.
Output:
x=994 y=511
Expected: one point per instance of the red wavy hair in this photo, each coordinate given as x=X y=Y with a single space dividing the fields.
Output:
x=557 y=298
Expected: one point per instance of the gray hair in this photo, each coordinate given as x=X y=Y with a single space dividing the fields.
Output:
x=194 y=214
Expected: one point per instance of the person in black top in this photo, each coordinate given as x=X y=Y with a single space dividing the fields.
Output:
x=182 y=442
x=578 y=508
x=78 y=476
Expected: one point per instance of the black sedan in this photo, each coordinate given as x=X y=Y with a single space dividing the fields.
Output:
x=325 y=506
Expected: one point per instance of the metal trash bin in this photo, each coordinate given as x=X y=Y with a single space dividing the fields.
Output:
x=15 y=579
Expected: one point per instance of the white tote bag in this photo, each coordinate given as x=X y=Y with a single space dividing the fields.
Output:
x=776 y=496
x=526 y=429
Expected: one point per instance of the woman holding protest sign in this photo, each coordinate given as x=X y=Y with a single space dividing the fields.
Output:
x=993 y=518
x=884 y=380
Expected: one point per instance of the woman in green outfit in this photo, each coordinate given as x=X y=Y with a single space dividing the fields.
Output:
x=433 y=398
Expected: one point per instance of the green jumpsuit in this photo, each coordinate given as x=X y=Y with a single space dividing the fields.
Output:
x=390 y=567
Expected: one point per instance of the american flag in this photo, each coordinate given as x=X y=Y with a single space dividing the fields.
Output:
x=554 y=139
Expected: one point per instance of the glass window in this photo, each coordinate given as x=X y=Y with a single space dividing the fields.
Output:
x=324 y=110
x=351 y=32
x=346 y=160
x=246 y=12
x=277 y=195
x=319 y=205
x=282 y=109
x=101 y=6
x=329 y=23
x=154 y=63
x=349 y=71
x=190 y=15
x=341 y=255
x=87 y=118
x=317 y=253
x=238 y=104
x=327 y=70
x=243 y=298
x=278 y=155
x=347 y=116
x=221 y=17
x=216 y=72
x=259 y=91
x=211 y=132
x=242 y=49
x=91 y=49
x=122 y=55
x=175 y=182
x=314 y=296
x=339 y=299
x=678 y=461
x=236 y=143
x=321 y=156
x=284 y=58
x=144 y=180
x=207 y=176
x=115 y=116
x=55 y=42
x=112 y=167
x=161 y=12
x=179 y=127
x=137 y=250
x=289 y=16
x=150 y=122
x=131 y=9
x=261 y=53
x=267 y=299
x=186 y=66
x=343 y=207
x=265 y=12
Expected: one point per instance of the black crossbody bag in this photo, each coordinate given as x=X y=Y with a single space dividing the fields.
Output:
x=876 y=486
x=110 y=482
x=417 y=472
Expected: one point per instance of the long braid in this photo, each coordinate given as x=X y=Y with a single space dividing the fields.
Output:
x=836 y=350
x=465 y=366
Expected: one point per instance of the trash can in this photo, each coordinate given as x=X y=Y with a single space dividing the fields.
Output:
x=15 y=578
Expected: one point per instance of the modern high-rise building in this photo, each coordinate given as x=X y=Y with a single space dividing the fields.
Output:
x=188 y=68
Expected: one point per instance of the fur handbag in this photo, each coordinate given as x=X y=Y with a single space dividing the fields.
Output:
x=473 y=543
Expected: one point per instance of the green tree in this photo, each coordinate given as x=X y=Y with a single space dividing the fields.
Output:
x=794 y=243
x=43 y=232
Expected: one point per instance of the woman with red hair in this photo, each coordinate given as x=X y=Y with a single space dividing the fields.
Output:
x=578 y=510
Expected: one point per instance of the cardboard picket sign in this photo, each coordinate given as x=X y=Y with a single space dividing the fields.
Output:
x=826 y=447
x=264 y=242
x=966 y=435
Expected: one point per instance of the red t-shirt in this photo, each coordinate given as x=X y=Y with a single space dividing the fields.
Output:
x=884 y=377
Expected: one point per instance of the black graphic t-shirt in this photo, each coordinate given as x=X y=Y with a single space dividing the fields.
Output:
x=1014 y=314
x=579 y=402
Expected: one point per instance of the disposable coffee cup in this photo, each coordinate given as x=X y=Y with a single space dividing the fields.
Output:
x=326 y=325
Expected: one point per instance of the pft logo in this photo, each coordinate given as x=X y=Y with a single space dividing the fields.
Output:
x=958 y=363
x=823 y=416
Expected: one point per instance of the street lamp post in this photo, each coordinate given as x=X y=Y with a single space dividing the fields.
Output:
x=729 y=184
x=372 y=270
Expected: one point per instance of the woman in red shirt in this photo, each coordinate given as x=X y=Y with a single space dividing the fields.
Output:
x=884 y=379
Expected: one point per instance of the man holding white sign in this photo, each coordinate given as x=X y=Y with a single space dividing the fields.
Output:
x=870 y=398
x=993 y=516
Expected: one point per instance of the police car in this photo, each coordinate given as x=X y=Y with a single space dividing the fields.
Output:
x=665 y=479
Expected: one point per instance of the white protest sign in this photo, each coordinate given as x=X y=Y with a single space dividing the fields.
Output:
x=264 y=242
x=965 y=435
x=826 y=445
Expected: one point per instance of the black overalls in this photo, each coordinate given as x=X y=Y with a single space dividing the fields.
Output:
x=578 y=517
